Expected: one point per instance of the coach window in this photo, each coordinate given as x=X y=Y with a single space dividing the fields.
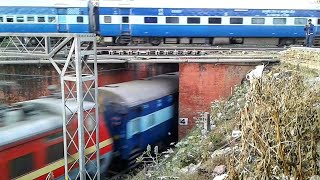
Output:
x=107 y=19
x=151 y=120
x=172 y=20
x=214 y=21
x=135 y=126
x=1 y=19
x=279 y=20
x=257 y=21
x=54 y=152
x=193 y=20
x=30 y=18
x=79 y=19
x=236 y=20
x=9 y=19
x=300 y=21
x=125 y=19
x=20 y=19
x=41 y=19
x=21 y=165
x=51 y=19
x=150 y=20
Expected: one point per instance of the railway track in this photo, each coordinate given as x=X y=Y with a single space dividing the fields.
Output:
x=181 y=51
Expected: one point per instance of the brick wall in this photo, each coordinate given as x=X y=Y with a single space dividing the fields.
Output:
x=34 y=79
x=200 y=84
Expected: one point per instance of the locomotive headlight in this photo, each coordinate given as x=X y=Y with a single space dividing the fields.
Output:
x=90 y=122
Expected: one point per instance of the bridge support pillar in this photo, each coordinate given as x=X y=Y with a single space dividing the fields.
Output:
x=201 y=84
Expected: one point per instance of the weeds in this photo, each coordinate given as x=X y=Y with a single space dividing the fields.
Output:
x=280 y=126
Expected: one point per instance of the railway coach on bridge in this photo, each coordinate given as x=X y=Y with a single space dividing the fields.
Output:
x=44 y=16
x=210 y=22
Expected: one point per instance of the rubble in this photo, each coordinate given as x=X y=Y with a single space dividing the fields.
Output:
x=315 y=177
x=221 y=152
x=221 y=177
x=255 y=73
x=236 y=133
x=220 y=169
x=192 y=168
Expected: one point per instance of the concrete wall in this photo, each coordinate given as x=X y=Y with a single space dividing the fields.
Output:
x=201 y=84
x=34 y=79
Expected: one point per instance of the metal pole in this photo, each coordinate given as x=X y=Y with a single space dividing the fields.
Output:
x=97 y=105
x=71 y=79
x=81 y=145
x=208 y=124
x=64 y=117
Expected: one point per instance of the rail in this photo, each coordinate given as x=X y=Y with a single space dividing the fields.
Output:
x=157 y=59
x=180 y=51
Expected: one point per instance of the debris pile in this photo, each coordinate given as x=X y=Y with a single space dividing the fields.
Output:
x=280 y=129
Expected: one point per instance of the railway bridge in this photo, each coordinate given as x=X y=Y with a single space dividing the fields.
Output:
x=75 y=61
x=206 y=73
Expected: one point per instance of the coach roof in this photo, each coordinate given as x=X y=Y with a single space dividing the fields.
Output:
x=44 y=3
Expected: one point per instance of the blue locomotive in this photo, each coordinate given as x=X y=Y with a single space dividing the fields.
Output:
x=155 y=22
x=140 y=113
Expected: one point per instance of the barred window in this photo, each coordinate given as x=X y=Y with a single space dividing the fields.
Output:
x=20 y=19
x=172 y=20
x=257 y=21
x=215 y=21
x=30 y=19
x=80 y=19
x=125 y=19
x=10 y=19
x=150 y=20
x=300 y=21
x=51 y=19
x=236 y=20
x=279 y=21
x=107 y=19
x=193 y=20
x=41 y=19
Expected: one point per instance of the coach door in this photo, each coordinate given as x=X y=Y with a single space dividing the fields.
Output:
x=125 y=27
x=62 y=20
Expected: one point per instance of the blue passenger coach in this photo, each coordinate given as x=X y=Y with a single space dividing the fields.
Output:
x=155 y=21
x=40 y=16
x=148 y=21
x=141 y=112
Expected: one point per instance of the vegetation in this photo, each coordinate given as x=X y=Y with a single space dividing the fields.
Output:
x=280 y=128
x=278 y=117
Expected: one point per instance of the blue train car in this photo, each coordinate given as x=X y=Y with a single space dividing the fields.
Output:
x=153 y=21
x=146 y=21
x=141 y=113
x=39 y=16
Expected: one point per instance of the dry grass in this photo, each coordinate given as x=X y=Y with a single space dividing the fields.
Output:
x=305 y=58
x=280 y=126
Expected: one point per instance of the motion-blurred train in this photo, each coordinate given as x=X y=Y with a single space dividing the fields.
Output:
x=132 y=115
x=147 y=21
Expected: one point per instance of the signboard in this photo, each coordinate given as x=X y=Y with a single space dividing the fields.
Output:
x=183 y=121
